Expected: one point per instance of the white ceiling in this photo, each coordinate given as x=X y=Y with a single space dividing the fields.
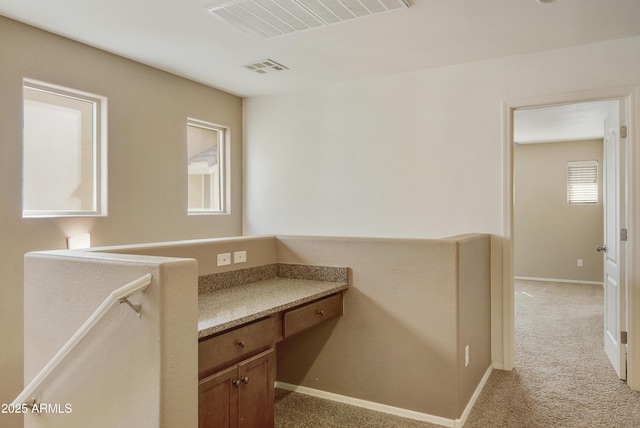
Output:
x=571 y=122
x=179 y=37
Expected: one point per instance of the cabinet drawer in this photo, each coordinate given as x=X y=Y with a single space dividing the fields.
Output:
x=311 y=314
x=230 y=346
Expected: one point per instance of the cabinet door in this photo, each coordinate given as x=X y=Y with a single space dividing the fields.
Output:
x=256 y=392
x=218 y=400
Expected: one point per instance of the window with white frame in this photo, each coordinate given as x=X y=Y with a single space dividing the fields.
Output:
x=206 y=162
x=582 y=182
x=64 y=152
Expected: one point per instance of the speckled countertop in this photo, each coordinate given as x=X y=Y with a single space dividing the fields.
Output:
x=222 y=308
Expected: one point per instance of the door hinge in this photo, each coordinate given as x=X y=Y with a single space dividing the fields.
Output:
x=623 y=337
x=623 y=235
x=623 y=131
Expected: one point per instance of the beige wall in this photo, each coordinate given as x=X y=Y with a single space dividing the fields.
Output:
x=126 y=371
x=474 y=312
x=551 y=235
x=261 y=250
x=411 y=309
x=407 y=315
x=148 y=110
x=417 y=154
x=413 y=155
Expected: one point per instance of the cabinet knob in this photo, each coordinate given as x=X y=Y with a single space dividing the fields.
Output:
x=236 y=383
x=320 y=312
x=242 y=343
x=245 y=380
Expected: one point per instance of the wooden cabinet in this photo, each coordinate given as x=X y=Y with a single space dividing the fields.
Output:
x=236 y=385
x=237 y=367
x=240 y=396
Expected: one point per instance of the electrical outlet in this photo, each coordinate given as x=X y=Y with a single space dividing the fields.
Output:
x=240 y=257
x=466 y=356
x=224 y=259
x=580 y=263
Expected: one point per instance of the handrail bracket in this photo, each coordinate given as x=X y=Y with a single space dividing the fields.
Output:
x=33 y=406
x=137 y=308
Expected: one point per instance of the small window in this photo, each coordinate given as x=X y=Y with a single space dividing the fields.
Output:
x=63 y=152
x=582 y=182
x=206 y=144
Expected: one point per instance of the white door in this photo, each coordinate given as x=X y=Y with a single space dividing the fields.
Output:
x=614 y=287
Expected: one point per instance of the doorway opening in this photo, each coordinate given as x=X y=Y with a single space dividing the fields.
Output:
x=558 y=221
x=560 y=170
x=504 y=344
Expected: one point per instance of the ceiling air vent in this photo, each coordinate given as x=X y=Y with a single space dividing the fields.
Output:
x=273 y=18
x=265 y=66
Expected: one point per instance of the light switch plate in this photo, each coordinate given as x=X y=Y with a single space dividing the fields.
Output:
x=224 y=259
x=240 y=257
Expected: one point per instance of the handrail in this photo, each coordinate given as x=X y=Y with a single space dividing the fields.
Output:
x=117 y=296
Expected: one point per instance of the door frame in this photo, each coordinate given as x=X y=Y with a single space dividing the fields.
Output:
x=502 y=312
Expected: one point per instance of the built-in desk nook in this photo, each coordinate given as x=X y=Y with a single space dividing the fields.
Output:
x=242 y=315
x=341 y=318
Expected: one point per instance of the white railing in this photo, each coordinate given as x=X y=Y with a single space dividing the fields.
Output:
x=121 y=295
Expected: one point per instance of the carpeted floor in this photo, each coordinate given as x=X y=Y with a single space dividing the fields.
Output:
x=294 y=410
x=562 y=376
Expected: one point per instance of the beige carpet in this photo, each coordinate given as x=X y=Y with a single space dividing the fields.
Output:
x=294 y=410
x=562 y=376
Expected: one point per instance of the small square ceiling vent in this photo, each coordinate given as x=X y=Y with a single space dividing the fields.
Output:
x=265 y=66
x=272 y=18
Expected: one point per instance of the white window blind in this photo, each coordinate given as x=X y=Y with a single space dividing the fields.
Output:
x=582 y=182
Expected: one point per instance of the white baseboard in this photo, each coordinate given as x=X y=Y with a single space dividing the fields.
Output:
x=368 y=404
x=571 y=281
x=459 y=423
x=425 y=417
